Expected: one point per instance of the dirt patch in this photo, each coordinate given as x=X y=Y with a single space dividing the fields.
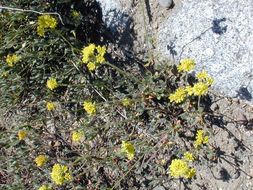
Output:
x=145 y=18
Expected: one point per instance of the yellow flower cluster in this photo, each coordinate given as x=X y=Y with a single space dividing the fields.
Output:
x=12 y=59
x=188 y=156
x=93 y=56
x=205 y=78
x=178 y=96
x=180 y=168
x=40 y=160
x=21 y=135
x=75 y=14
x=44 y=22
x=44 y=187
x=52 y=83
x=77 y=136
x=201 y=138
x=186 y=65
x=128 y=149
x=89 y=107
x=60 y=174
x=126 y=102
x=198 y=89
x=50 y=106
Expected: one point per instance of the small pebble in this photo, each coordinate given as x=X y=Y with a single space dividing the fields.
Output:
x=166 y=3
x=159 y=188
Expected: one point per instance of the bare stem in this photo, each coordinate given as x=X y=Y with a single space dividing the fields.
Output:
x=32 y=11
x=199 y=102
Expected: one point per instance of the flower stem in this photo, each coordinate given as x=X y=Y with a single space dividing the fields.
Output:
x=198 y=103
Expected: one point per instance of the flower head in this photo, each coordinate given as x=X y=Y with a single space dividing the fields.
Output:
x=60 y=174
x=186 y=65
x=188 y=156
x=101 y=50
x=209 y=81
x=126 y=102
x=93 y=55
x=44 y=187
x=40 y=160
x=204 y=77
x=128 y=149
x=189 y=90
x=88 y=53
x=77 y=136
x=89 y=107
x=45 y=21
x=180 y=168
x=91 y=66
x=201 y=138
x=75 y=14
x=191 y=173
x=178 y=96
x=21 y=135
x=52 y=83
x=199 y=89
x=12 y=59
x=50 y=106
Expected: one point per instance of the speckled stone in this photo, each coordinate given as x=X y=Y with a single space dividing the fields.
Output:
x=218 y=34
x=166 y=3
x=114 y=15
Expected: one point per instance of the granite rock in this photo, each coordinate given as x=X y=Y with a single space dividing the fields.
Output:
x=114 y=15
x=218 y=35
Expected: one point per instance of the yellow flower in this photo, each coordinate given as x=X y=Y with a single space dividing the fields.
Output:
x=45 y=21
x=204 y=77
x=128 y=149
x=201 y=138
x=50 y=106
x=52 y=83
x=91 y=66
x=188 y=156
x=163 y=161
x=40 y=31
x=126 y=102
x=60 y=174
x=209 y=80
x=200 y=89
x=88 y=53
x=89 y=107
x=44 y=187
x=77 y=136
x=191 y=173
x=180 y=168
x=178 y=96
x=75 y=14
x=5 y=74
x=40 y=160
x=93 y=55
x=21 y=135
x=12 y=59
x=189 y=90
x=186 y=65
x=101 y=50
